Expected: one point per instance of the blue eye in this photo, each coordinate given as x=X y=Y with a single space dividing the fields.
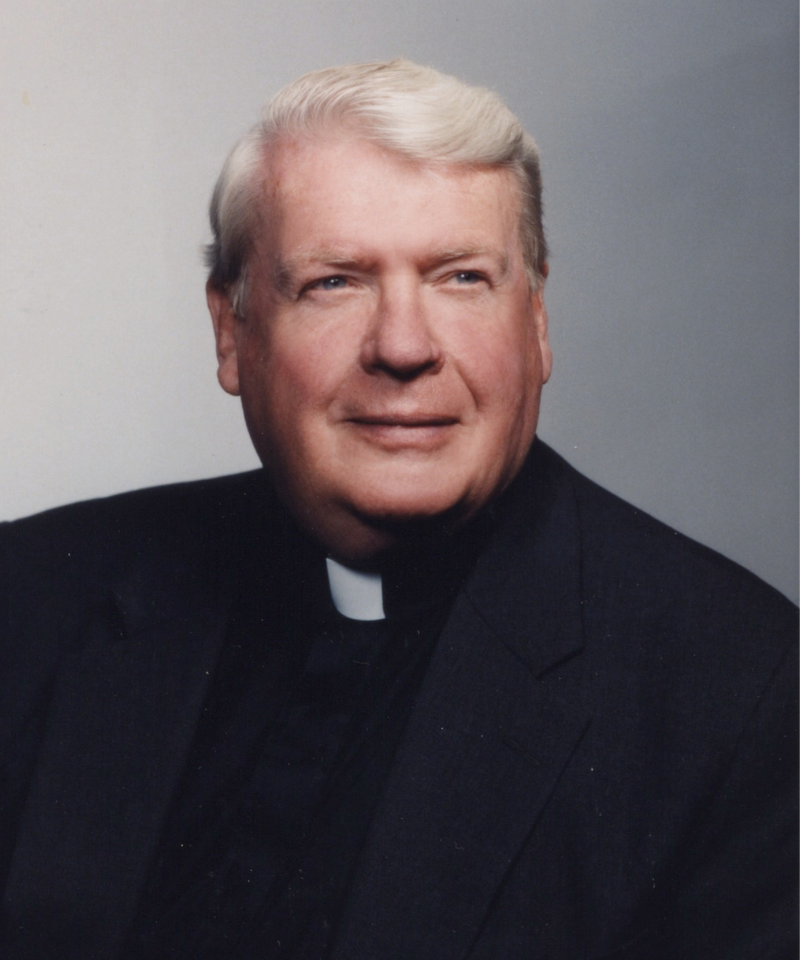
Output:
x=331 y=283
x=468 y=276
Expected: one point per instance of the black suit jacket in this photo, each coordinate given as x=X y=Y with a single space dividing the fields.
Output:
x=601 y=761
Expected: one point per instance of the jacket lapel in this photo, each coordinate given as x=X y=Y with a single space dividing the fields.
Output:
x=122 y=715
x=499 y=716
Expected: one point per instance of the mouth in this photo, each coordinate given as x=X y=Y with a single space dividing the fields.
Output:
x=411 y=420
x=404 y=431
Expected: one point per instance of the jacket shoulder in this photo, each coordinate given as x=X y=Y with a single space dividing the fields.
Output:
x=161 y=508
x=671 y=621
x=630 y=555
x=79 y=547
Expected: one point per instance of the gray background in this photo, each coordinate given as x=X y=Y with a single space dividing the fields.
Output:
x=669 y=135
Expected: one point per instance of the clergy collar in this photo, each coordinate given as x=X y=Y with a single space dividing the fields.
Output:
x=421 y=575
x=355 y=594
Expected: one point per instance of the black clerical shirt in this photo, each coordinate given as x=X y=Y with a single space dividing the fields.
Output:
x=303 y=718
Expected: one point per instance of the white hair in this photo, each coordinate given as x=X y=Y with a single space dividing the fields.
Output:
x=410 y=110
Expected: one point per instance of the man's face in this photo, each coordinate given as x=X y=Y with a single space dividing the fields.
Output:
x=392 y=355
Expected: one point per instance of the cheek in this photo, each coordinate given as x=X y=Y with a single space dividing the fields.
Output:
x=286 y=377
x=503 y=371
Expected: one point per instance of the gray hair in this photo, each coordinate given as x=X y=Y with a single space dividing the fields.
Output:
x=410 y=110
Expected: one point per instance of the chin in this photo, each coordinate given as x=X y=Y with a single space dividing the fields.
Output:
x=405 y=503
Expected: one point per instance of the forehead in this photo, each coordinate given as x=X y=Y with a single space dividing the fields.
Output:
x=314 y=184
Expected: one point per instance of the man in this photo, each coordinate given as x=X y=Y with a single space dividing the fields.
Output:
x=418 y=689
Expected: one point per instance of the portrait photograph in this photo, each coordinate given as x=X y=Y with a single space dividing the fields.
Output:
x=399 y=491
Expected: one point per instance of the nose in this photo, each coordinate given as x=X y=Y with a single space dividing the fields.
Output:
x=400 y=340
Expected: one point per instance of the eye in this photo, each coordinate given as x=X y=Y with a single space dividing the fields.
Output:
x=467 y=277
x=336 y=282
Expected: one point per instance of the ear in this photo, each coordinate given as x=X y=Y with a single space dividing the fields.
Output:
x=540 y=321
x=225 y=323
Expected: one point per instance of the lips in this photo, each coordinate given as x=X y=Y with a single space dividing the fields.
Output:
x=409 y=420
x=404 y=431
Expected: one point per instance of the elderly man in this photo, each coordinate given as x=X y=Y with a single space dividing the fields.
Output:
x=416 y=689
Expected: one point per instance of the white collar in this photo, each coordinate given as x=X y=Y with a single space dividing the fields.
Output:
x=356 y=595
